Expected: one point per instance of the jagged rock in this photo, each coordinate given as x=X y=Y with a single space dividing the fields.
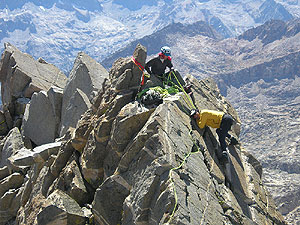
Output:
x=109 y=197
x=131 y=118
x=163 y=143
x=3 y=126
x=13 y=181
x=8 y=117
x=65 y=152
x=4 y=172
x=70 y=181
x=87 y=75
x=125 y=76
x=13 y=144
x=83 y=129
x=10 y=202
x=77 y=105
x=61 y=209
x=21 y=75
x=39 y=154
x=111 y=101
x=39 y=122
x=147 y=166
x=34 y=195
x=55 y=96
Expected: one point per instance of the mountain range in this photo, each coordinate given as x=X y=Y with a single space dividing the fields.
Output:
x=249 y=47
x=57 y=29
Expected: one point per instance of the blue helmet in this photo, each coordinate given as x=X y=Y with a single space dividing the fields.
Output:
x=166 y=50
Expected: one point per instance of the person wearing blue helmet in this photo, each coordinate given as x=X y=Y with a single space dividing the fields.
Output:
x=157 y=66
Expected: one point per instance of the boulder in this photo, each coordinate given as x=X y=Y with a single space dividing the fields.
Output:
x=71 y=182
x=4 y=172
x=3 y=126
x=39 y=154
x=12 y=145
x=9 y=205
x=39 y=120
x=87 y=75
x=13 y=181
x=77 y=105
x=55 y=95
x=61 y=209
x=21 y=75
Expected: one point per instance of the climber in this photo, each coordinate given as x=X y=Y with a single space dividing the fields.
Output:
x=219 y=120
x=156 y=68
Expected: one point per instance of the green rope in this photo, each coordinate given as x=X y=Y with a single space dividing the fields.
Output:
x=176 y=168
x=188 y=97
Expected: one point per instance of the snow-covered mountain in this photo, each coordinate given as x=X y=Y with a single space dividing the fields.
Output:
x=58 y=29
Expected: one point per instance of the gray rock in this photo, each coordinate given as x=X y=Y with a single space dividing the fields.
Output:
x=4 y=172
x=131 y=118
x=77 y=105
x=39 y=154
x=20 y=106
x=9 y=205
x=87 y=75
x=125 y=74
x=61 y=209
x=71 y=182
x=13 y=181
x=3 y=126
x=21 y=75
x=65 y=152
x=55 y=96
x=13 y=144
x=109 y=197
x=39 y=122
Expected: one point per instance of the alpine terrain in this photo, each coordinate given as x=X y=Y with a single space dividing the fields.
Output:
x=258 y=72
x=86 y=150
x=79 y=147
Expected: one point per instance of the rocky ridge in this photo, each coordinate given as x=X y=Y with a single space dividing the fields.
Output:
x=121 y=162
x=259 y=73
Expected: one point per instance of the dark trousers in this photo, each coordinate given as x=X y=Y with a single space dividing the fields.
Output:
x=222 y=132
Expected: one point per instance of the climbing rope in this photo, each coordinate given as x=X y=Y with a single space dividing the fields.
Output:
x=172 y=181
x=189 y=102
x=181 y=164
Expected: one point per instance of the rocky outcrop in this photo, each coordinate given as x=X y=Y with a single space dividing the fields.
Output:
x=21 y=75
x=22 y=78
x=87 y=75
x=125 y=163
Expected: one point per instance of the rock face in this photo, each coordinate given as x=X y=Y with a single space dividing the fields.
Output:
x=87 y=75
x=22 y=78
x=21 y=75
x=259 y=73
x=125 y=163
